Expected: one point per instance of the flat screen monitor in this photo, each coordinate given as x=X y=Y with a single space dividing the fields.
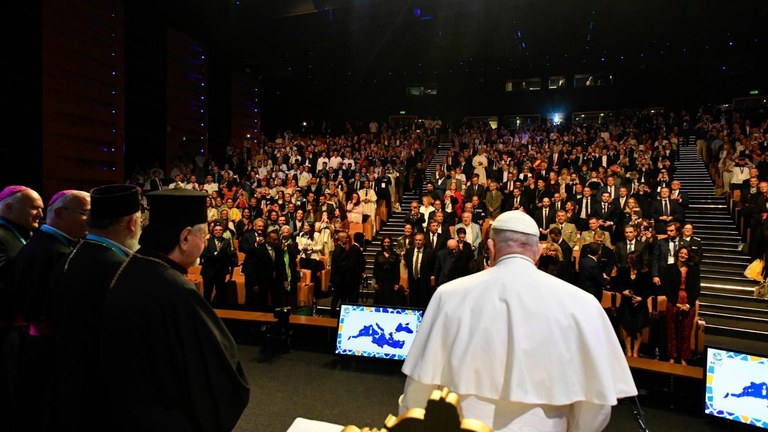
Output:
x=378 y=332
x=736 y=387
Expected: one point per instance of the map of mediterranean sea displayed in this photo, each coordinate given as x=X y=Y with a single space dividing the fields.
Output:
x=377 y=331
x=737 y=388
x=381 y=337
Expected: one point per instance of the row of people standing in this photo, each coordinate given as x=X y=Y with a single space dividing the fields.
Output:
x=93 y=324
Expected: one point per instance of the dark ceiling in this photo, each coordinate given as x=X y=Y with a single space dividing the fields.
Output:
x=341 y=41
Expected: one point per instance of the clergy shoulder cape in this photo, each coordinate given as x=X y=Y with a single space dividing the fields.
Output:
x=517 y=334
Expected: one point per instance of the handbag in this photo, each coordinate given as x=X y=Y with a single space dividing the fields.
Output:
x=754 y=271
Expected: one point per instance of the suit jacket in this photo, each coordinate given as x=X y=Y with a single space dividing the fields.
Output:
x=347 y=266
x=621 y=252
x=697 y=251
x=660 y=255
x=248 y=246
x=611 y=214
x=588 y=236
x=443 y=264
x=592 y=206
x=476 y=233
x=493 y=200
x=473 y=190
x=683 y=199
x=591 y=277
x=218 y=262
x=607 y=188
x=538 y=217
x=569 y=232
x=426 y=266
x=657 y=210
x=442 y=240
x=522 y=203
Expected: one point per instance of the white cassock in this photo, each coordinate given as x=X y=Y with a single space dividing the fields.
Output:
x=480 y=162
x=523 y=349
x=369 y=208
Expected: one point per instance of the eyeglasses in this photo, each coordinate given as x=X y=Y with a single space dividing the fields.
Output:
x=83 y=212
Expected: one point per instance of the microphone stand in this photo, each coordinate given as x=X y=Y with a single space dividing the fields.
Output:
x=639 y=415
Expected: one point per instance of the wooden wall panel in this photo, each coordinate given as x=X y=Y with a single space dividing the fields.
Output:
x=246 y=112
x=187 y=97
x=83 y=101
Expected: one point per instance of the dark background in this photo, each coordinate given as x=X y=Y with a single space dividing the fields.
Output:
x=344 y=60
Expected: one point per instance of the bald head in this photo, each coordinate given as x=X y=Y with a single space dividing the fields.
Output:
x=24 y=208
x=68 y=213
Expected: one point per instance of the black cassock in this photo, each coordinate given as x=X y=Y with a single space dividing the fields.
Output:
x=80 y=286
x=167 y=361
x=32 y=273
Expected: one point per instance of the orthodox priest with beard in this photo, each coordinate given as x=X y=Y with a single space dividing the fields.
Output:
x=167 y=361
x=80 y=284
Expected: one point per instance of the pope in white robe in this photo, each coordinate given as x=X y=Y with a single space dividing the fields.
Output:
x=524 y=350
x=480 y=162
x=368 y=197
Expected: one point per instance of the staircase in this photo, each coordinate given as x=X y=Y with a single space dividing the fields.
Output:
x=394 y=227
x=726 y=301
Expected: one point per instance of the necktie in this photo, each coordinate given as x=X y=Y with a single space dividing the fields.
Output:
x=434 y=241
x=631 y=247
x=286 y=260
x=605 y=208
x=544 y=220
x=417 y=264
x=666 y=207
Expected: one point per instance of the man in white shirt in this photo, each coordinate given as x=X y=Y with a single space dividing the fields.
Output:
x=515 y=364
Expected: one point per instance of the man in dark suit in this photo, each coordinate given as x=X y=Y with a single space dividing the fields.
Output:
x=474 y=189
x=291 y=261
x=611 y=187
x=630 y=244
x=325 y=206
x=607 y=213
x=270 y=274
x=217 y=260
x=516 y=201
x=250 y=245
x=565 y=267
x=444 y=263
x=665 y=210
x=420 y=262
x=664 y=251
x=544 y=217
x=587 y=206
x=155 y=183
x=591 y=278
x=347 y=268
x=676 y=194
x=693 y=243
x=435 y=240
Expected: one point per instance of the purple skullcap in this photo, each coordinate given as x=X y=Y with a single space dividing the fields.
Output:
x=59 y=195
x=11 y=190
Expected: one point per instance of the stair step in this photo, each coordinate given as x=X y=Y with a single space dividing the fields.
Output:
x=729 y=309
x=730 y=320
x=735 y=332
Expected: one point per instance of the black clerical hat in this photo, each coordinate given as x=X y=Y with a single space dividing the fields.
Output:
x=177 y=208
x=114 y=201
